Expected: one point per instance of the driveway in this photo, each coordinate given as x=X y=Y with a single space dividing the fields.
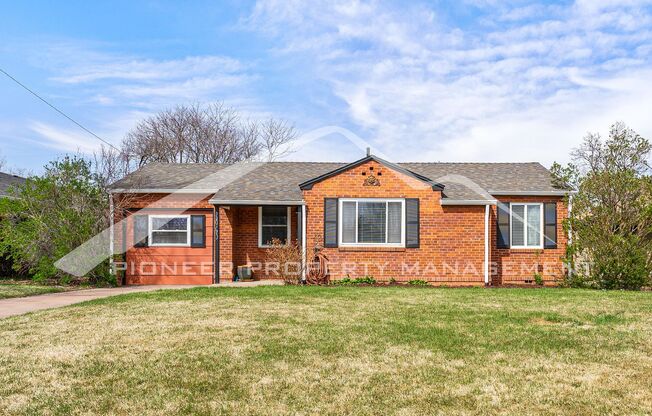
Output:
x=19 y=306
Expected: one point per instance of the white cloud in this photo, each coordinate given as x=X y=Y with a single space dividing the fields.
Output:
x=119 y=80
x=422 y=88
x=134 y=69
x=114 y=91
x=69 y=140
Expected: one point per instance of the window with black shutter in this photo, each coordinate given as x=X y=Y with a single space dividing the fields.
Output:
x=330 y=222
x=502 y=225
x=550 y=225
x=198 y=231
x=412 y=239
x=141 y=231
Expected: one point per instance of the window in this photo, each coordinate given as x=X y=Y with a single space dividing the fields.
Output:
x=372 y=222
x=273 y=222
x=526 y=225
x=169 y=230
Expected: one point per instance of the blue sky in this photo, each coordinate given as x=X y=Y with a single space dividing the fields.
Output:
x=474 y=80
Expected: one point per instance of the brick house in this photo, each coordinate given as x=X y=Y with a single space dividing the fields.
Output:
x=445 y=223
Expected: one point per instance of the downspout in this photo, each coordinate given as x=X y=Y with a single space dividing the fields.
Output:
x=570 y=234
x=216 y=243
x=303 y=243
x=111 y=235
x=486 y=245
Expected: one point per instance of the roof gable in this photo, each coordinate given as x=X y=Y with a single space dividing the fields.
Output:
x=307 y=185
x=7 y=181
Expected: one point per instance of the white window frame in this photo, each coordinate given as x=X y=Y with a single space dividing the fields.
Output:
x=152 y=231
x=525 y=225
x=260 y=227
x=356 y=200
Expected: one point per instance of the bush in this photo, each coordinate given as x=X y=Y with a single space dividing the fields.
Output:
x=538 y=279
x=54 y=214
x=289 y=259
x=366 y=280
x=623 y=265
x=418 y=282
x=611 y=216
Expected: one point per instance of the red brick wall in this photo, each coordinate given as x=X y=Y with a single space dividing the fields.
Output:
x=452 y=237
x=166 y=265
x=516 y=266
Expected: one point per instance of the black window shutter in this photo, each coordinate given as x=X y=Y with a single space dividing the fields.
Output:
x=198 y=231
x=550 y=225
x=502 y=225
x=330 y=222
x=412 y=223
x=141 y=230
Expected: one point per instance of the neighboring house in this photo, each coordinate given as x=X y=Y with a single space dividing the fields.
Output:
x=7 y=181
x=446 y=223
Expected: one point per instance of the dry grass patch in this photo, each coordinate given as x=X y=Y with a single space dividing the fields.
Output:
x=310 y=350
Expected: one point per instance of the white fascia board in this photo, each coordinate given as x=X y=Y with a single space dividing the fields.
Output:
x=468 y=202
x=252 y=202
x=162 y=191
x=532 y=193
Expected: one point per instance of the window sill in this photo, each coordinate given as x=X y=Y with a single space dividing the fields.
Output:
x=371 y=248
x=525 y=250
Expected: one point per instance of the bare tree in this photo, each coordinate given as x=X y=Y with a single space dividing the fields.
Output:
x=3 y=163
x=276 y=137
x=110 y=165
x=206 y=134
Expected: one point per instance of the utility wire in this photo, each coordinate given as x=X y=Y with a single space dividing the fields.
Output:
x=58 y=111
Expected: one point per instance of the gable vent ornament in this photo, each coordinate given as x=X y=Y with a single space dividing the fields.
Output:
x=371 y=180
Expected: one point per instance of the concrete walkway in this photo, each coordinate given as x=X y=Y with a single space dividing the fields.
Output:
x=19 y=306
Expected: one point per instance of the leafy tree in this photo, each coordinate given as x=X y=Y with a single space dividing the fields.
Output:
x=52 y=215
x=611 y=217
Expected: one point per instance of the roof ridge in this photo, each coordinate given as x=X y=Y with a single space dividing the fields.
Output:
x=473 y=163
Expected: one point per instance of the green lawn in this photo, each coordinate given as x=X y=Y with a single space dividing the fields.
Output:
x=18 y=289
x=342 y=350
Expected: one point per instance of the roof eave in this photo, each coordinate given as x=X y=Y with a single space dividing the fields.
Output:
x=469 y=202
x=560 y=192
x=215 y=201
x=161 y=191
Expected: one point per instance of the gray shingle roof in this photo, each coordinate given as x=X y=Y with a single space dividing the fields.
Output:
x=279 y=181
x=7 y=181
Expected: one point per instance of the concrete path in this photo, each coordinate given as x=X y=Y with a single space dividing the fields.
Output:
x=19 y=306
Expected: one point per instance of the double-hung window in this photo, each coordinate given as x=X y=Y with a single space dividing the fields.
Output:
x=273 y=223
x=371 y=222
x=526 y=224
x=169 y=230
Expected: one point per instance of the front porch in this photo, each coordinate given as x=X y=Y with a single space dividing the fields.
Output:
x=243 y=233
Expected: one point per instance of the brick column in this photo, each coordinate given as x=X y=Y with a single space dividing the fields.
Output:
x=225 y=262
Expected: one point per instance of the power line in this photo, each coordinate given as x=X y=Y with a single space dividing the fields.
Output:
x=57 y=110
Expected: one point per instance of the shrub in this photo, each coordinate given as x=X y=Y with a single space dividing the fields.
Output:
x=289 y=259
x=538 y=279
x=366 y=280
x=52 y=215
x=417 y=282
x=611 y=216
